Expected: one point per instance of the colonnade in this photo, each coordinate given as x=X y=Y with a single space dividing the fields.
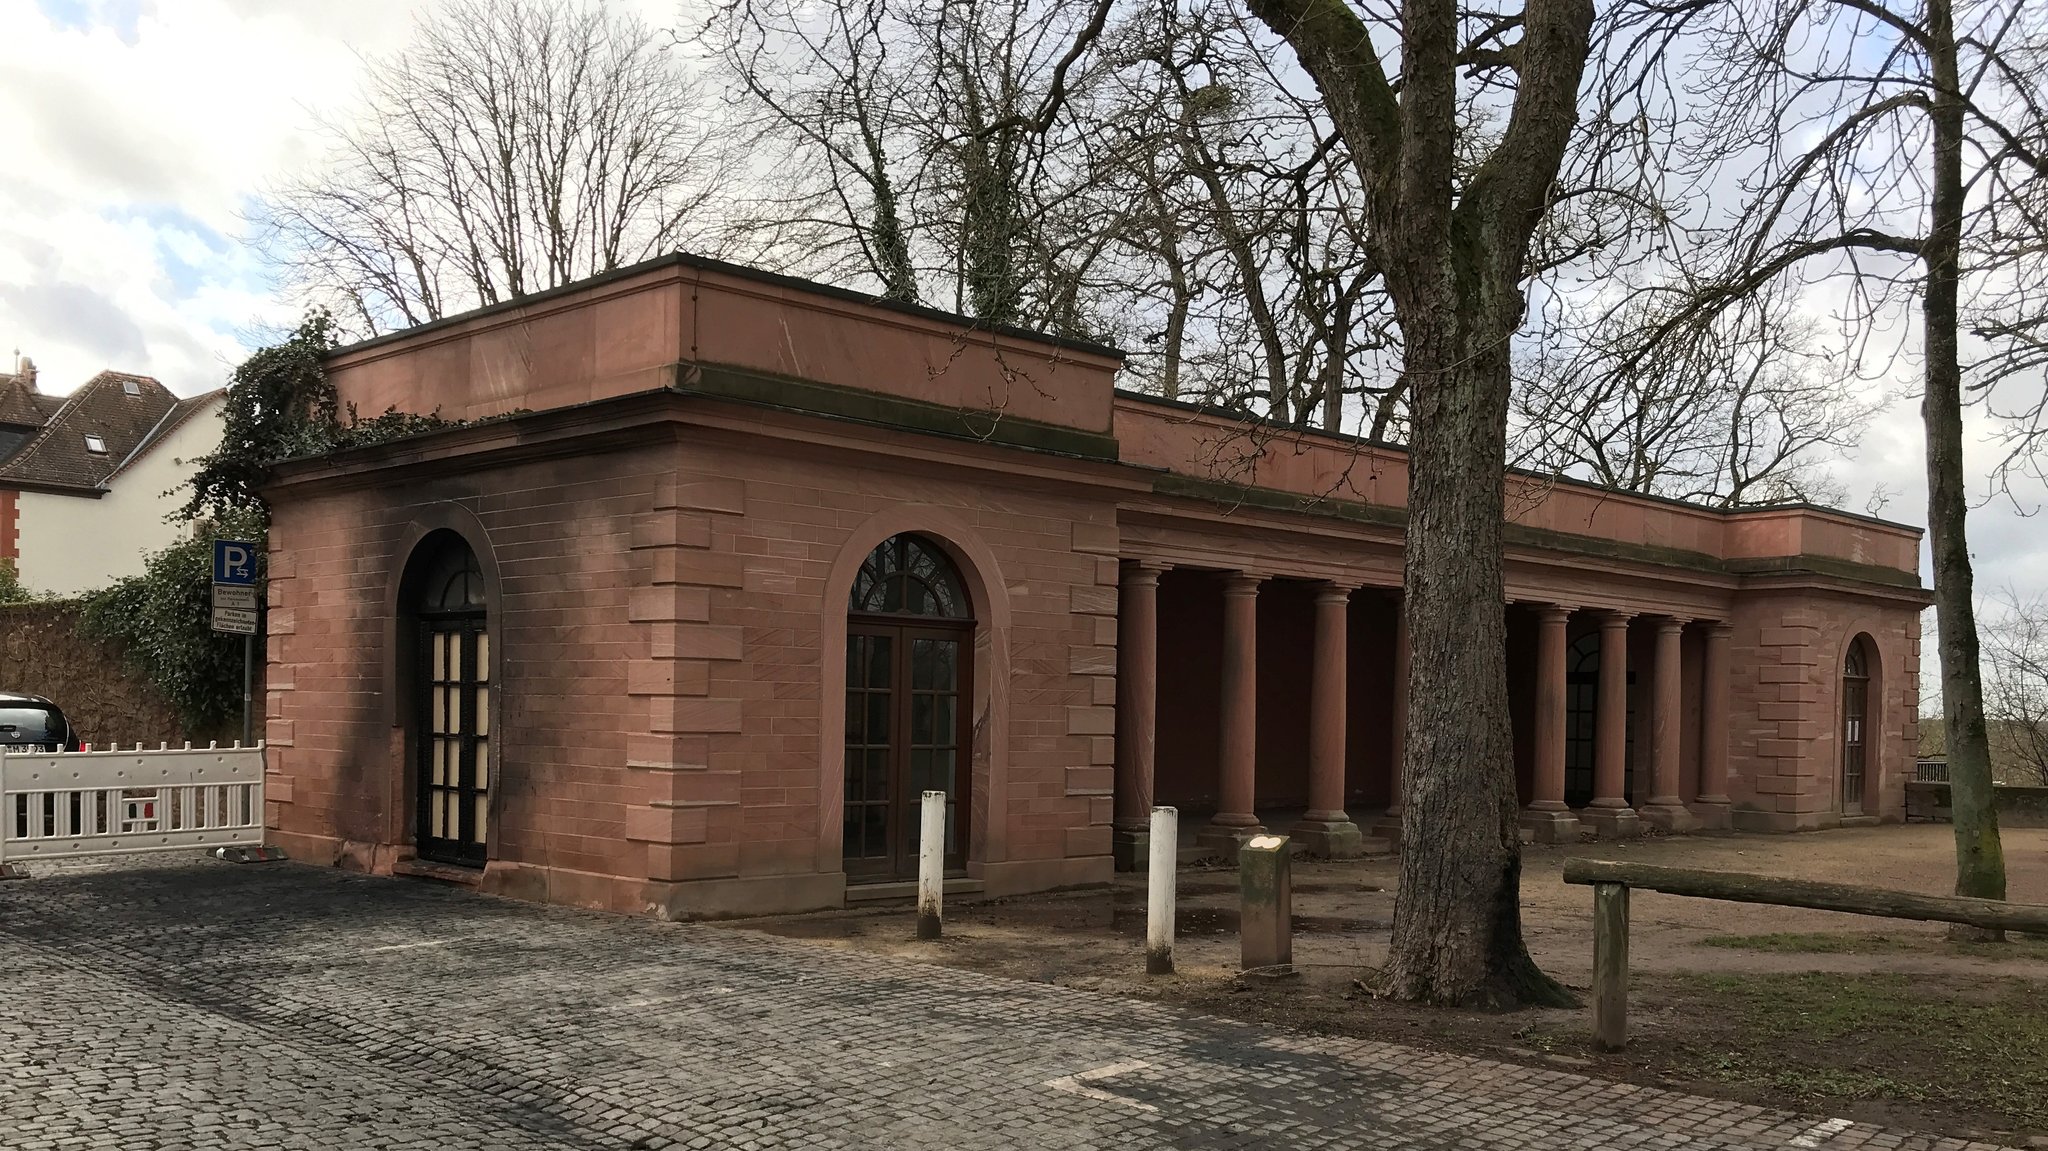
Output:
x=1326 y=827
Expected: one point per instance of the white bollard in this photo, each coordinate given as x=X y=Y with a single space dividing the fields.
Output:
x=1160 y=886
x=931 y=864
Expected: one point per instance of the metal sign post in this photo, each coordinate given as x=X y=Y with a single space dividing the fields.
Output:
x=234 y=612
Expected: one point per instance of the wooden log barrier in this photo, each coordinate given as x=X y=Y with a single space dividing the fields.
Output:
x=1611 y=881
x=1738 y=887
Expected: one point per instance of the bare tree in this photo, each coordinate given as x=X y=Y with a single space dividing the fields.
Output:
x=1142 y=175
x=512 y=146
x=915 y=141
x=1454 y=261
x=2016 y=683
x=1738 y=408
x=1880 y=143
x=1273 y=305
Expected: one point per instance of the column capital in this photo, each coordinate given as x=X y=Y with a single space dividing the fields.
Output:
x=1717 y=628
x=1245 y=583
x=1142 y=572
x=1551 y=611
x=1615 y=617
x=1672 y=623
x=1333 y=592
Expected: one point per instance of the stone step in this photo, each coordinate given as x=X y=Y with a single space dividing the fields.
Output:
x=905 y=891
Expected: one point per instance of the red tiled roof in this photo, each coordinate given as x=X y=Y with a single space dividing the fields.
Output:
x=60 y=455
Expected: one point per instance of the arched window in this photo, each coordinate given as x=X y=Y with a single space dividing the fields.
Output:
x=909 y=643
x=1855 y=712
x=908 y=575
x=452 y=583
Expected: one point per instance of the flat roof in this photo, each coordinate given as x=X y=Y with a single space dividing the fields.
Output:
x=740 y=271
x=1546 y=477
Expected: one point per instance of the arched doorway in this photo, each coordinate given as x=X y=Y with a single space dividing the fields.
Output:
x=1581 y=716
x=909 y=648
x=1855 y=713
x=452 y=705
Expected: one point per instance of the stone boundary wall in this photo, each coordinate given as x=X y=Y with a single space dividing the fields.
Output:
x=43 y=653
x=2017 y=806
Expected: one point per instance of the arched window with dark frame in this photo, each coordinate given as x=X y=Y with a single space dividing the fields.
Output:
x=452 y=708
x=1855 y=721
x=909 y=643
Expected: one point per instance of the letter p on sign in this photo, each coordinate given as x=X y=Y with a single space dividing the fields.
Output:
x=234 y=562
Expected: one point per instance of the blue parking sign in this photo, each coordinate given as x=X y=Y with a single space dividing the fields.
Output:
x=234 y=563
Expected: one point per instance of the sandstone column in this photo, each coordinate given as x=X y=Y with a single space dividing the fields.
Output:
x=1609 y=813
x=1137 y=706
x=1326 y=829
x=1665 y=808
x=1238 y=750
x=1712 y=806
x=1389 y=825
x=1546 y=816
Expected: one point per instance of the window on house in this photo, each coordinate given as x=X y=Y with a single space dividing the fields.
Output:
x=96 y=444
x=131 y=387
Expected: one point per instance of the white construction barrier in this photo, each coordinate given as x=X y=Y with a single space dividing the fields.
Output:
x=64 y=804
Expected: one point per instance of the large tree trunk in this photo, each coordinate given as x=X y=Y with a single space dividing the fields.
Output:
x=1457 y=920
x=1980 y=859
x=1452 y=262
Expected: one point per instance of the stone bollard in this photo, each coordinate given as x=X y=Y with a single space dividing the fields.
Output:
x=931 y=864
x=1266 y=906
x=1160 y=883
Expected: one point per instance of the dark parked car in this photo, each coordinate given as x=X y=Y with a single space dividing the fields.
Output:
x=32 y=723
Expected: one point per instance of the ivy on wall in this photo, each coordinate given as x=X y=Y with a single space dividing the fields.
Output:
x=280 y=406
x=11 y=588
x=161 y=622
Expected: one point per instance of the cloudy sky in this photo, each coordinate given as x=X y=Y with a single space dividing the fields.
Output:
x=136 y=132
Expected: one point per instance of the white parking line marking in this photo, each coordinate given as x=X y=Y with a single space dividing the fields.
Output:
x=407 y=946
x=1078 y=1084
x=1820 y=1133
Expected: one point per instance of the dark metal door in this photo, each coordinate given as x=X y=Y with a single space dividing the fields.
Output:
x=455 y=741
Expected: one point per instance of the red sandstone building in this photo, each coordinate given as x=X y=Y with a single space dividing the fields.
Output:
x=746 y=564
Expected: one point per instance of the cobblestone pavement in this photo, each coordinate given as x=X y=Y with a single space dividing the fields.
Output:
x=201 y=1005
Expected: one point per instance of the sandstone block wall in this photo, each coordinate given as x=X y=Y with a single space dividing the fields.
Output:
x=668 y=629
x=1785 y=752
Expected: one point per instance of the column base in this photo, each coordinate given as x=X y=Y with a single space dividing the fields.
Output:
x=1388 y=827
x=1551 y=825
x=1333 y=839
x=1670 y=817
x=1131 y=848
x=1226 y=838
x=1612 y=822
x=1713 y=814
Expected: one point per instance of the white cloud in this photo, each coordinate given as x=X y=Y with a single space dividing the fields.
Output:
x=134 y=132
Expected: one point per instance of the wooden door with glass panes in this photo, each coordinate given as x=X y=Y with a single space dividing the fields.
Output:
x=455 y=744
x=909 y=654
x=1855 y=711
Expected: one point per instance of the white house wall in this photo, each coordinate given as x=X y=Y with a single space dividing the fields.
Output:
x=74 y=544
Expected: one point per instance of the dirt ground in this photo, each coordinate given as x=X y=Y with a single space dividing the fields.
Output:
x=1867 y=1018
